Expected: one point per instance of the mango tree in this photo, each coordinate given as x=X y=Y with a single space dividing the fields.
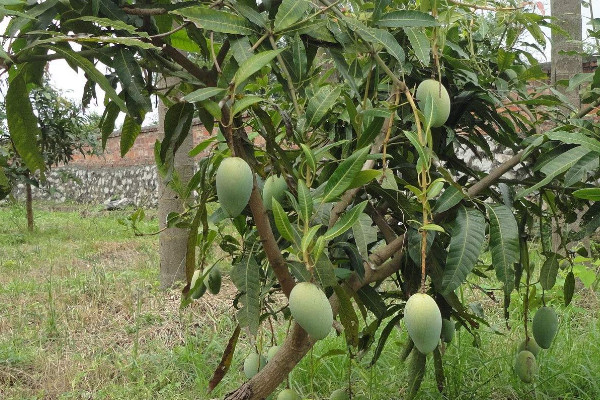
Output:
x=375 y=198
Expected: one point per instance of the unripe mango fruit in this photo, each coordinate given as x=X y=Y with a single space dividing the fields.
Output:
x=526 y=366
x=440 y=97
x=234 y=185
x=339 y=394
x=447 y=330
x=311 y=309
x=271 y=353
x=275 y=187
x=253 y=363
x=545 y=326
x=423 y=321
x=214 y=280
x=288 y=394
x=529 y=345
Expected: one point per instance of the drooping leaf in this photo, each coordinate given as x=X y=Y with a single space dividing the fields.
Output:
x=344 y=174
x=348 y=316
x=92 y=73
x=23 y=124
x=216 y=21
x=364 y=234
x=578 y=172
x=177 y=124
x=592 y=194
x=107 y=123
x=131 y=78
x=129 y=132
x=549 y=271
x=345 y=222
x=406 y=19
x=372 y=300
x=420 y=44
x=226 y=359
x=320 y=104
x=569 y=288
x=383 y=337
x=290 y=12
x=253 y=64
x=504 y=243
x=246 y=277
x=555 y=167
x=324 y=271
x=468 y=236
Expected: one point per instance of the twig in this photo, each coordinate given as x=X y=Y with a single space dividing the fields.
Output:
x=288 y=77
x=487 y=8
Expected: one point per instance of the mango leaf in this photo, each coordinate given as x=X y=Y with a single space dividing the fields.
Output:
x=380 y=37
x=504 y=243
x=253 y=64
x=364 y=234
x=549 y=271
x=226 y=359
x=216 y=21
x=406 y=19
x=468 y=236
x=348 y=316
x=575 y=138
x=363 y=177
x=178 y=121
x=23 y=124
x=344 y=174
x=284 y=225
x=592 y=194
x=324 y=271
x=555 y=167
x=130 y=75
x=305 y=201
x=420 y=44
x=203 y=94
x=345 y=222
x=92 y=73
x=389 y=180
x=569 y=288
x=245 y=102
x=310 y=157
x=107 y=123
x=129 y=132
x=307 y=239
x=372 y=300
x=246 y=277
x=383 y=337
x=290 y=12
x=578 y=172
x=320 y=104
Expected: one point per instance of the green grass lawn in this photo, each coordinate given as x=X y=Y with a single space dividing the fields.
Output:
x=82 y=317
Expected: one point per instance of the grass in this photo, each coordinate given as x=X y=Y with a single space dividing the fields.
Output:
x=82 y=317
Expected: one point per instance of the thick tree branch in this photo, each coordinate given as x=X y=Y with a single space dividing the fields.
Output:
x=494 y=175
x=298 y=343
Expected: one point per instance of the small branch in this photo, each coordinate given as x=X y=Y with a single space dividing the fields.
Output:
x=145 y=12
x=214 y=56
x=487 y=8
x=494 y=175
x=162 y=35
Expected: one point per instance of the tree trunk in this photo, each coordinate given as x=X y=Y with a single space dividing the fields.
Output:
x=173 y=241
x=29 y=206
x=564 y=66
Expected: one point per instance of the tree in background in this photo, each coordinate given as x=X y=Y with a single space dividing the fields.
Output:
x=378 y=203
x=63 y=132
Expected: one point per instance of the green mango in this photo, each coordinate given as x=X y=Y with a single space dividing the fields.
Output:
x=339 y=394
x=311 y=309
x=526 y=366
x=440 y=97
x=529 y=345
x=288 y=394
x=214 y=280
x=423 y=322
x=234 y=181
x=275 y=187
x=545 y=326
x=253 y=364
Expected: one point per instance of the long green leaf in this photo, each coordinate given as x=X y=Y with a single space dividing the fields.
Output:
x=420 y=44
x=504 y=243
x=23 y=124
x=129 y=132
x=254 y=64
x=290 y=12
x=324 y=271
x=345 y=222
x=245 y=102
x=380 y=37
x=92 y=74
x=468 y=235
x=320 y=104
x=305 y=201
x=216 y=21
x=577 y=173
x=283 y=224
x=246 y=277
x=178 y=121
x=130 y=75
x=203 y=94
x=451 y=197
x=549 y=271
x=592 y=194
x=344 y=174
x=364 y=234
x=348 y=316
x=555 y=167
x=575 y=138
x=406 y=19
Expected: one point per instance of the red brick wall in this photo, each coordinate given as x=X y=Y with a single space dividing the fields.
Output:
x=142 y=152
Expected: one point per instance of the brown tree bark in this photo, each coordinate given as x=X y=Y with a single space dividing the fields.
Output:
x=173 y=241
x=29 y=206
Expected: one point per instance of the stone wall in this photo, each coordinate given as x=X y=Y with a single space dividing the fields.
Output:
x=99 y=179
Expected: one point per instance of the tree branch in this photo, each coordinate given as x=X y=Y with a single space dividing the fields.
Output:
x=494 y=175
